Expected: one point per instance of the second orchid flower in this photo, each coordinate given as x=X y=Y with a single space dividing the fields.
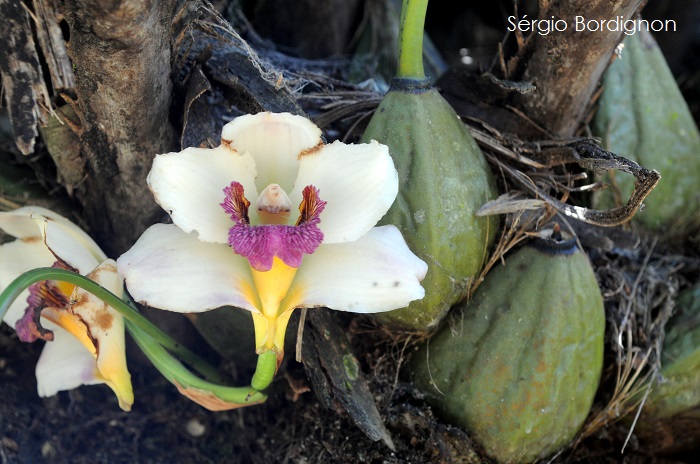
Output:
x=85 y=337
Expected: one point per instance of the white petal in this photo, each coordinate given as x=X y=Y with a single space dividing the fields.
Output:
x=190 y=184
x=358 y=182
x=17 y=258
x=106 y=327
x=373 y=274
x=68 y=246
x=64 y=364
x=169 y=269
x=275 y=141
x=19 y=223
x=68 y=241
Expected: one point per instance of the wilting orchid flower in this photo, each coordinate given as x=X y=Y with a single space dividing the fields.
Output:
x=85 y=337
x=308 y=240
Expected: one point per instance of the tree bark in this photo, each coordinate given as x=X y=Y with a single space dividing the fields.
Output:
x=121 y=56
x=26 y=95
x=567 y=66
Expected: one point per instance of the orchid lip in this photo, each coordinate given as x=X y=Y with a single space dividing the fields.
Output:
x=47 y=294
x=261 y=244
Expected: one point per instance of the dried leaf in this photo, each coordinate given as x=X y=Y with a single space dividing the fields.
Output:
x=208 y=400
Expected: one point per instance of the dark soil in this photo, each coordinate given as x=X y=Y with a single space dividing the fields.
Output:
x=86 y=425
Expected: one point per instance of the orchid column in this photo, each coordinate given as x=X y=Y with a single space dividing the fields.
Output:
x=271 y=220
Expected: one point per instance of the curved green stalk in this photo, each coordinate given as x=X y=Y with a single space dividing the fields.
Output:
x=131 y=314
x=411 y=39
x=157 y=345
x=189 y=384
x=265 y=370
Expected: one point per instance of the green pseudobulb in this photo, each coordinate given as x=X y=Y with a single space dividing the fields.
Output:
x=520 y=366
x=643 y=116
x=443 y=180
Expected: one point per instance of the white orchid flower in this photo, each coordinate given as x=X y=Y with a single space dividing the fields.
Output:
x=272 y=258
x=85 y=337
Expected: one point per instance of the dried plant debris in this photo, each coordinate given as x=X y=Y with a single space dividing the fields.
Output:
x=639 y=287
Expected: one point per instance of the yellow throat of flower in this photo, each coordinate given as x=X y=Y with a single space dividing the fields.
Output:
x=271 y=325
x=57 y=296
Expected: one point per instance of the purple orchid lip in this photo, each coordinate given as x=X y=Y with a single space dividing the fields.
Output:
x=44 y=294
x=260 y=244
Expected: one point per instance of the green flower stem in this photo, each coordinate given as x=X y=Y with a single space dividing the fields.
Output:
x=22 y=282
x=411 y=39
x=184 y=380
x=265 y=370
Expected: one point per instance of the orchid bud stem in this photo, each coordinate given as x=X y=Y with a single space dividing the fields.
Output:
x=265 y=370
x=411 y=39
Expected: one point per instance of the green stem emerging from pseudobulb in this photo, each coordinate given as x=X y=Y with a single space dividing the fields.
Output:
x=155 y=343
x=411 y=39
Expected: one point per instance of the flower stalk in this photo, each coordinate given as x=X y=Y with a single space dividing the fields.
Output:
x=190 y=385
x=411 y=39
x=265 y=370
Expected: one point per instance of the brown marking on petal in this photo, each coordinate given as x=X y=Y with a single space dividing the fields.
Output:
x=311 y=151
x=74 y=324
x=209 y=400
x=95 y=342
x=242 y=205
x=227 y=143
x=100 y=318
x=104 y=320
x=31 y=239
x=79 y=298
x=104 y=267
